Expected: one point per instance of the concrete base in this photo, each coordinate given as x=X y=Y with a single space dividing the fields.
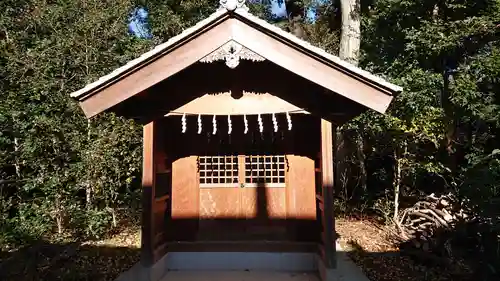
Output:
x=237 y=261
x=346 y=269
x=239 y=276
x=184 y=264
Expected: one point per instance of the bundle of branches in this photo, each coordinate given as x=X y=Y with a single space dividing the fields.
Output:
x=428 y=224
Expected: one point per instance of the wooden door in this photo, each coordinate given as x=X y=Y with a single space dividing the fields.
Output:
x=242 y=197
x=219 y=197
x=263 y=196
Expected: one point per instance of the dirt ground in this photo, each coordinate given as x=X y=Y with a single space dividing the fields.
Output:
x=370 y=246
x=367 y=242
x=94 y=260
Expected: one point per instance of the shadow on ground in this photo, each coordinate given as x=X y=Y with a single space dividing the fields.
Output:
x=99 y=261
x=48 y=261
x=452 y=255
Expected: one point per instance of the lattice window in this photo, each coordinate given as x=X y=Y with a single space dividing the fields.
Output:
x=267 y=169
x=218 y=171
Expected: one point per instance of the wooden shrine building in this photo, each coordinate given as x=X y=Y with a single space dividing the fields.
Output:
x=239 y=118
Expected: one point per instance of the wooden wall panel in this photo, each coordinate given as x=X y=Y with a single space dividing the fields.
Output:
x=185 y=197
x=264 y=209
x=220 y=214
x=301 y=188
x=276 y=203
x=162 y=228
x=301 y=198
x=271 y=204
x=219 y=203
x=162 y=225
x=249 y=205
x=185 y=188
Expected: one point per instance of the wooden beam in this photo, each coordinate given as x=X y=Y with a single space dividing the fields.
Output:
x=148 y=186
x=249 y=103
x=327 y=182
x=279 y=52
x=162 y=204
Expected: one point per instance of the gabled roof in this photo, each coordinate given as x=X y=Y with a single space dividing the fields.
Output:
x=236 y=24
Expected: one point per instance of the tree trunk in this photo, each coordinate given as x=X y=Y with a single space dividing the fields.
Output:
x=296 y=28
x=350 y=38
x=16 y=161
x=59 y=215
x=17 y=165
x=113 y=215
x=451 y=119
x=360 y=147
x=397 y=184
x=88 y=182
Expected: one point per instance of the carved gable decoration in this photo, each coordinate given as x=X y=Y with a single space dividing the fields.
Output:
x=233 y=5
x=232 y=52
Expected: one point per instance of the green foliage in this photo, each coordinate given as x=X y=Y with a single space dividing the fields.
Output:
x=445 y=55
x=92 y=223
x=481 y=186
x=443 y=129
x=67 y=174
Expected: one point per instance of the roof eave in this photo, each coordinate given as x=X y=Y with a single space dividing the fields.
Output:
x=319 y=54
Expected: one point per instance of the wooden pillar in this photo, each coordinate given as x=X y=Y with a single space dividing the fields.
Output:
x=327 y=182
x=148 y=187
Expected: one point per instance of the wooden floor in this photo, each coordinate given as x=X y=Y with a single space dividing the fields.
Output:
x=238 y=276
